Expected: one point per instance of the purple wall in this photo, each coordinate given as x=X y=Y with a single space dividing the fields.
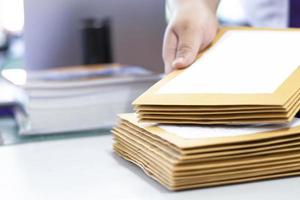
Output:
x=52 y=36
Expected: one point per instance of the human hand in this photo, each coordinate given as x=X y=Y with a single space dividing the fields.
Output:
x=192 y=27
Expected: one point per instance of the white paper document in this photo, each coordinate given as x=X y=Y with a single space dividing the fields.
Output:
x=203 y=132
x=241 y=62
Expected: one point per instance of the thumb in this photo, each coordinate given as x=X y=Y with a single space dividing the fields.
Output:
x=187 y=49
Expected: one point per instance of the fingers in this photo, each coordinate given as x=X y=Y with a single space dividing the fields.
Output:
x=169 y=49
x=188 y=46
x=181 y=46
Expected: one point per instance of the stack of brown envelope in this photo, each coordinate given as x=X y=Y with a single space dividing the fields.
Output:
x=246 y=76
x=186 y=156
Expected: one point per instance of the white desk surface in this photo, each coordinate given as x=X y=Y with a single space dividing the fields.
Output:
x=87 y=168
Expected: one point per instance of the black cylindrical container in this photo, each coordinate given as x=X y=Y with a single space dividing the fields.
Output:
x=96 y=38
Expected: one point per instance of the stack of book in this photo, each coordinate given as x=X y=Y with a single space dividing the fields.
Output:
x=228 y=118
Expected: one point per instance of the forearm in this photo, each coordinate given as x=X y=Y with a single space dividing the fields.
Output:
x=174 y=5
x=211 y=4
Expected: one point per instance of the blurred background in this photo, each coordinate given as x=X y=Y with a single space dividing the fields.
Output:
x=52 y=33
x=11 y=33
x=84 y=60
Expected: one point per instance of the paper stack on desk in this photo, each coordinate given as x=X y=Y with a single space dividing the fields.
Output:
x=185 y=156
x=81 y=98
x=247 y=76
x=228 y=118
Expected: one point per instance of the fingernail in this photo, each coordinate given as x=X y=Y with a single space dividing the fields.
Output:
x=178 y=62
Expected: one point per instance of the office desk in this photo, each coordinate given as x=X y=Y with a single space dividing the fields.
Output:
x=87 y=168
